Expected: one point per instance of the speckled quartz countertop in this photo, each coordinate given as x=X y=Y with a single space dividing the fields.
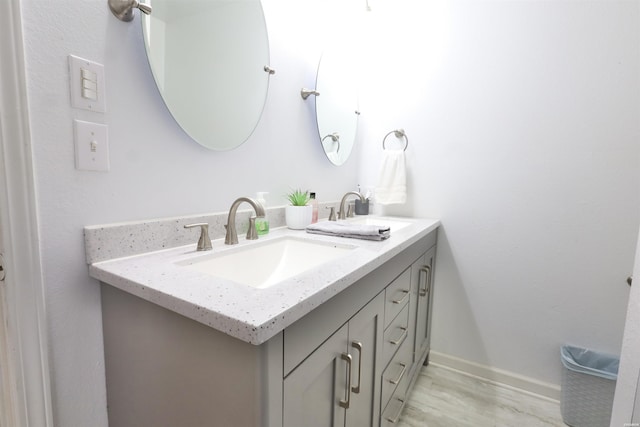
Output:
x=250 y=314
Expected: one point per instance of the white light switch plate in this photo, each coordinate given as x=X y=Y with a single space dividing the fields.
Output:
x=86 y=81
x=92 y=146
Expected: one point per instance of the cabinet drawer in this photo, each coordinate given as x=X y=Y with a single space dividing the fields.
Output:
x=397 y=296
x=395 y=375
x=395 y=335
x=391 y=415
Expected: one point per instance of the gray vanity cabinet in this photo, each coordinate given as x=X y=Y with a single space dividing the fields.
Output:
x=365 y=346
x=401 y=373
x=312 y=392
x=423 y=271
x=337 y=384
x=348 y=362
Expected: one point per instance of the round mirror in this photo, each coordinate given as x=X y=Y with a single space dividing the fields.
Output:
x=337 y=105
x=208 y=59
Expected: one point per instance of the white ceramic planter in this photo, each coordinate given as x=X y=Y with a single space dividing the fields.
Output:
x=298 y=217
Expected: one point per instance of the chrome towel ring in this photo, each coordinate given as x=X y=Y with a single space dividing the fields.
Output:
x=399 y=133
x=335 y=138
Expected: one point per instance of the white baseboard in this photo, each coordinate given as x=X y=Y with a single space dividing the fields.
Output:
x=499 y=376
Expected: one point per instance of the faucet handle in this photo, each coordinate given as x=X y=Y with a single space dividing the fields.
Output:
x=350 y=211
x=204 y=242
x=252 y=234
x=332 y=213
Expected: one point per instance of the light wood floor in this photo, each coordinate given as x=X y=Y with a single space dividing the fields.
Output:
x=446 y=398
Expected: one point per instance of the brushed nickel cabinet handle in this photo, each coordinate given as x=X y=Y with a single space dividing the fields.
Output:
x=403 y=299
x=427 y=282
x=402 y=337
x=358 y=346
x=345 y=403
x=397 y=380
x=395 y=419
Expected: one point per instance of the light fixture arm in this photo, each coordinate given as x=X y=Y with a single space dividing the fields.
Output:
x=123 y=9
x=304 y=92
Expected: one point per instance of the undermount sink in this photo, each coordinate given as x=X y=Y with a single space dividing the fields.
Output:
x=264 y=264
x=393 y=224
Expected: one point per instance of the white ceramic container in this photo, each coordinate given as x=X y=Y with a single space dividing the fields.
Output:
x=298 y=217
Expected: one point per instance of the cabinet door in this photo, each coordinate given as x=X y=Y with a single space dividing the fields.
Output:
x=315 y=393
x=423 y=317
x=365 y=346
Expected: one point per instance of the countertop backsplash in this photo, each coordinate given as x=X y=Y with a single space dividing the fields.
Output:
x=109 y=241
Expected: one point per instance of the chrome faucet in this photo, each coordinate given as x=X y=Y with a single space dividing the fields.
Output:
x=342 y=214
x=231 y=238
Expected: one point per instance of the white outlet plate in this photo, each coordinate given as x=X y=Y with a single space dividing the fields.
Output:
x=92 y=146
x=86 y=81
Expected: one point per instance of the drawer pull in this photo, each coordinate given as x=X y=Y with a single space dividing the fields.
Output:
x=403 y=299
x=427 y=281
x=402 y=371
x=358 y=346
x=345 y=403
x=395 y=419
x=403 y=336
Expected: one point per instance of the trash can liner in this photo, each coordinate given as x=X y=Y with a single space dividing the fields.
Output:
x=590 y=362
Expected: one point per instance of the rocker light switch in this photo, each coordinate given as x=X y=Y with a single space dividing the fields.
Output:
x=86 y=80
x=92 y=146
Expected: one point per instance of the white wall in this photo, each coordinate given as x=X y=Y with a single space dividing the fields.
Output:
x=522 y=118
x=156 y=170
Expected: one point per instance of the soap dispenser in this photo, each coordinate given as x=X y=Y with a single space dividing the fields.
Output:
x=314 y=203
x=262 y=224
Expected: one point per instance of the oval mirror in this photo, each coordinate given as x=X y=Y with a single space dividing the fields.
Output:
x=208 y=59
x=337 y=105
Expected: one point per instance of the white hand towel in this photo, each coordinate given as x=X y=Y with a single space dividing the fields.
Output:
x=392 y=183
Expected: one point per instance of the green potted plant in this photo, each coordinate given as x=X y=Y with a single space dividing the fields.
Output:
x=298 y=214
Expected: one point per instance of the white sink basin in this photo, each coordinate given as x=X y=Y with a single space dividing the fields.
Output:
x=264 y=264
x=393 y=224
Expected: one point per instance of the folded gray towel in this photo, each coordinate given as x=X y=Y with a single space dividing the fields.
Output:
x=352 y=231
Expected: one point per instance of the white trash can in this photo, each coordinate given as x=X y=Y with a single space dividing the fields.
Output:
x=588 y=384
